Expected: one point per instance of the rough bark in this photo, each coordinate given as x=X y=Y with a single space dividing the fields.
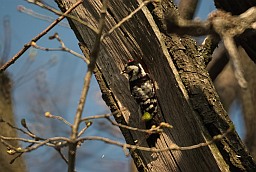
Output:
x=186 y=96
x=6 y=113
x=204 y=98
x=222 y=75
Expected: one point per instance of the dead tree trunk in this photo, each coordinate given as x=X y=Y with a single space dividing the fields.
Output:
x=187 y=98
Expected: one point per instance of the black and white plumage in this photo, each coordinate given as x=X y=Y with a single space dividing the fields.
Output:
x=142 y=88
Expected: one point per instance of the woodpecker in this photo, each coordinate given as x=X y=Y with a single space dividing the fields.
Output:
x=143 y=90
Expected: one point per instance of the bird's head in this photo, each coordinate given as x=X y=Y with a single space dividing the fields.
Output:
x=134 y=70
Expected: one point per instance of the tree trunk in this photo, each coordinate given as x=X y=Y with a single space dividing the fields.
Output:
x=6 y=114
x=186 y=96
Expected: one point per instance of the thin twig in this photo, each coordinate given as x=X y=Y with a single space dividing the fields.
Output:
x=30 y=134
x=49 y=115
x=96 y=117
x=234 y=55
x=87 y=78
x=115 y=113
x=57 y=143
x=52 y=142
x=62 y=155
x=107 y=116
x=40 y=35
x=32 y=13
x=42 y=5
x=88 y=124
x=170 y=147
x=63 y=48
x=144 y=3
x=87 y=81
x=157 y=129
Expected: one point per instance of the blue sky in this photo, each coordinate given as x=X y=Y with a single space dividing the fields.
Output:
x=62 y=84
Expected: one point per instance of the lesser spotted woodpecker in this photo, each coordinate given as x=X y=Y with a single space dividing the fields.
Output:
x=143 y=90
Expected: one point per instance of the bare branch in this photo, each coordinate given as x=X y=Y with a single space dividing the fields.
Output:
x=63 y=48
x=87 y=81
x=149 y=131
x=49 y=115
x=178 y=25
x=32 y=13
x=35 y=39
x=157 y=129
x=52 y=142
x=96 y=117
x=87 y=125
x=58 y=141
x=234 y=55
x=61 y=155
x=42 y=5
x=30 y=134
x=87 y=78
x=103 y=115
x=144 y=3
x=219 y=22
x=171 y=147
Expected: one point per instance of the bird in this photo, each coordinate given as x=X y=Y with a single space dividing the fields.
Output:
x=143 y=90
